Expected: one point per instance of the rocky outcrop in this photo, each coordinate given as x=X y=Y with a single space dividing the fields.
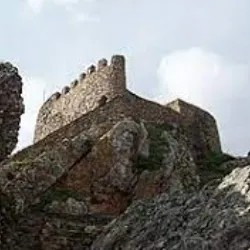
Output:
x=216 y=217
x=135 y=186
x=24 y=180
x=52 y=189
x=11 y=108
x=132 y=161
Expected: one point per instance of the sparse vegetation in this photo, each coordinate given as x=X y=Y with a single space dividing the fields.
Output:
x=58 y=194
x=214 y=160
x=158 y=145
x=212 y=169
x=20 y=165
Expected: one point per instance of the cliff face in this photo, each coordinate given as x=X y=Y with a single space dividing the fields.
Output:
x=216 y=217
x=127 y=175
x=131 y=185
x=11 y=108
x=81 y=183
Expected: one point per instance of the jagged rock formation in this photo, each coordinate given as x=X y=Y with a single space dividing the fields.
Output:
x=11 y=108
x=216 y=217
x=95 y=178
x=122 y=173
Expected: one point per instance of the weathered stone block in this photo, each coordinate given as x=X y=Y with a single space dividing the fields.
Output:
x=74 y=83
x=91 y=69
x=65 y=90
x=82 y=76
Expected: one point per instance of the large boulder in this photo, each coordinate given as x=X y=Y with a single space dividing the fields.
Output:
x=133 y=160
x=11 y=108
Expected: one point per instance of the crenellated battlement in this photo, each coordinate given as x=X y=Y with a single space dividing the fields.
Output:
x=103 y=81
x=117 y=65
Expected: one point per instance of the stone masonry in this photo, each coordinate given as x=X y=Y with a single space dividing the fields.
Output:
x=201 y=128
x=11 y=108
x=100 y=83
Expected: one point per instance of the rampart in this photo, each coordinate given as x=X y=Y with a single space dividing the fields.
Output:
x=11 y=108
x=98 y=85
x=200 y=127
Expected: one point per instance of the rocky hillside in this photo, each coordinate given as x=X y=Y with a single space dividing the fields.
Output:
x=122 y=184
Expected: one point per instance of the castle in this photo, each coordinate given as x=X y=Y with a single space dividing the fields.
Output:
x=98 y=147
x=101 y=95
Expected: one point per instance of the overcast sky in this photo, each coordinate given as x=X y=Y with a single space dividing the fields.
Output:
x=197 y=50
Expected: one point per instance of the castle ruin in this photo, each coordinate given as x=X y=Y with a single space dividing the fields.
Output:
x=106 y=83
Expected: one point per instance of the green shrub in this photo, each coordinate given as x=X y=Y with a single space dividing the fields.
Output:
x=158 y=145
x=214 y=160
x=58 y=194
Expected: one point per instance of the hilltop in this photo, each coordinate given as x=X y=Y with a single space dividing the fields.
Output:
x=111 y=170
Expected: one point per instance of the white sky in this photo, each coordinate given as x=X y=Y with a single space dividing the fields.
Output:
x=196 y=50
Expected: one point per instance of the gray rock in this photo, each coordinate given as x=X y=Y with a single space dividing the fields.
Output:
x=11 y=108
x=213 y=218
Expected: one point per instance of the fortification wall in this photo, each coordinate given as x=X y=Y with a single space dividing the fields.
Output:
x=200 y=127
x=94 y=88
x=140 y=108
x=11 y=108
x=103 y=118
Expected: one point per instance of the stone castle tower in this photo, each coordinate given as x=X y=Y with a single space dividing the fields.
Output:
x=98 y=85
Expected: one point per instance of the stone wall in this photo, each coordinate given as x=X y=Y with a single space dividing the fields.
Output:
x=103 y=118
x=94 y=88
x=11 y=108
x=200 y=127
